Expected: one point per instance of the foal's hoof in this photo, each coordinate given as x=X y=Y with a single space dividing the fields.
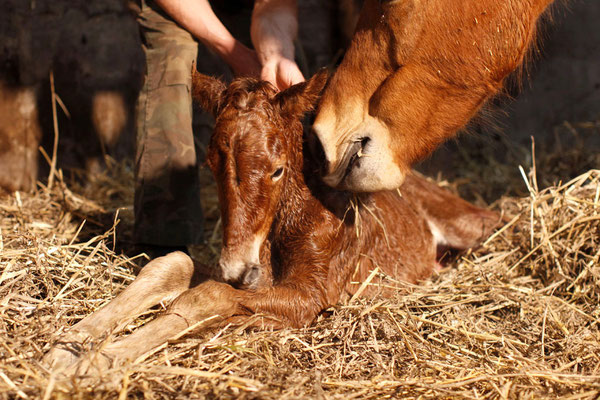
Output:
x=65 y=352
x=93 y=364
x=72 y=355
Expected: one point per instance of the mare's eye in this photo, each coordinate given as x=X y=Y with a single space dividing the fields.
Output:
x=277 y=174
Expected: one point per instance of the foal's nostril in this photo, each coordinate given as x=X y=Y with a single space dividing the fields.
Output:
x=252 y=277
x=252 y=274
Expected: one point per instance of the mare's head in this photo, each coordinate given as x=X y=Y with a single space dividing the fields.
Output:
x=415 y=73
x=253 y=153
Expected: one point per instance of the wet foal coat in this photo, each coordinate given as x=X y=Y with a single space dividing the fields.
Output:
x=292 y=246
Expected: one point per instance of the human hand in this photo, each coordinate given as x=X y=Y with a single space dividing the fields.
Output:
x=243 y=61
x=281 y=72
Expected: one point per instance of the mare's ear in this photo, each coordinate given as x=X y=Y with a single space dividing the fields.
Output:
x=207 y=92
x=302 y=97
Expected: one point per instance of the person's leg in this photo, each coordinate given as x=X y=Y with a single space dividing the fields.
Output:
x=167 y=190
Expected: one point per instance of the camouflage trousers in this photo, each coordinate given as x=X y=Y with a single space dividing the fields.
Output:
x=167 y=189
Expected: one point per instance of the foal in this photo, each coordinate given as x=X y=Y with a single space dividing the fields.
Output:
x=291 y=245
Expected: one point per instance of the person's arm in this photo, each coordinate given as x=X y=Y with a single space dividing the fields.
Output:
x=198 y=18
x=273 y=30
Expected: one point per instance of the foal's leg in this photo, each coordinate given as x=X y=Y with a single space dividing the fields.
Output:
x=211 y=300
x=216 y=302
x=454 y=222
x=160 y=280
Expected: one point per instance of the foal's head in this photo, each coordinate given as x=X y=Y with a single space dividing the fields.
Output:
x=254 y=150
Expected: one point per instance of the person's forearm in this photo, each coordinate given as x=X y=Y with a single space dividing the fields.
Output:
x=274 y=28
x=198 y=18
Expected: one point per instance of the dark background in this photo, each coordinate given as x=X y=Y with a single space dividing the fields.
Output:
x=94 y=46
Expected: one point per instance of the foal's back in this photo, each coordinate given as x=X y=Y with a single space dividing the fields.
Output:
x=405 y=231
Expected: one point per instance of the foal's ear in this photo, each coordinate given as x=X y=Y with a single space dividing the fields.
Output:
x=302 y=97
x=207 y=92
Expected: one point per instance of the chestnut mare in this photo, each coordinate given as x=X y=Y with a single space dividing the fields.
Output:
x=292 y=246
x=415 y=73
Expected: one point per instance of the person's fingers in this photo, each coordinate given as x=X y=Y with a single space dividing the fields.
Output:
x=282 y=73
x=288 y=74
x=268 y=73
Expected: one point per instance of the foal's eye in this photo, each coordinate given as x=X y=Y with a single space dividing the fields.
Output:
x=277 y=174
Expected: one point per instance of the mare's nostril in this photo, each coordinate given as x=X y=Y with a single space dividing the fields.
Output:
x=364 y=141
x=356 y=161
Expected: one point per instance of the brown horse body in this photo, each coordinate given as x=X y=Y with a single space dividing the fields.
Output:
x=292 y=246
x=415 y=73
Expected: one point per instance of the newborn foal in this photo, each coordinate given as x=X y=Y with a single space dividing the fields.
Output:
x=291 y=245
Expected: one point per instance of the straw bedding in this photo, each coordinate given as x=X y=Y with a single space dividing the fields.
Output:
x=517 y=318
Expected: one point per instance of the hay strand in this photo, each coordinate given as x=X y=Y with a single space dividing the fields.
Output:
x=508 y=320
